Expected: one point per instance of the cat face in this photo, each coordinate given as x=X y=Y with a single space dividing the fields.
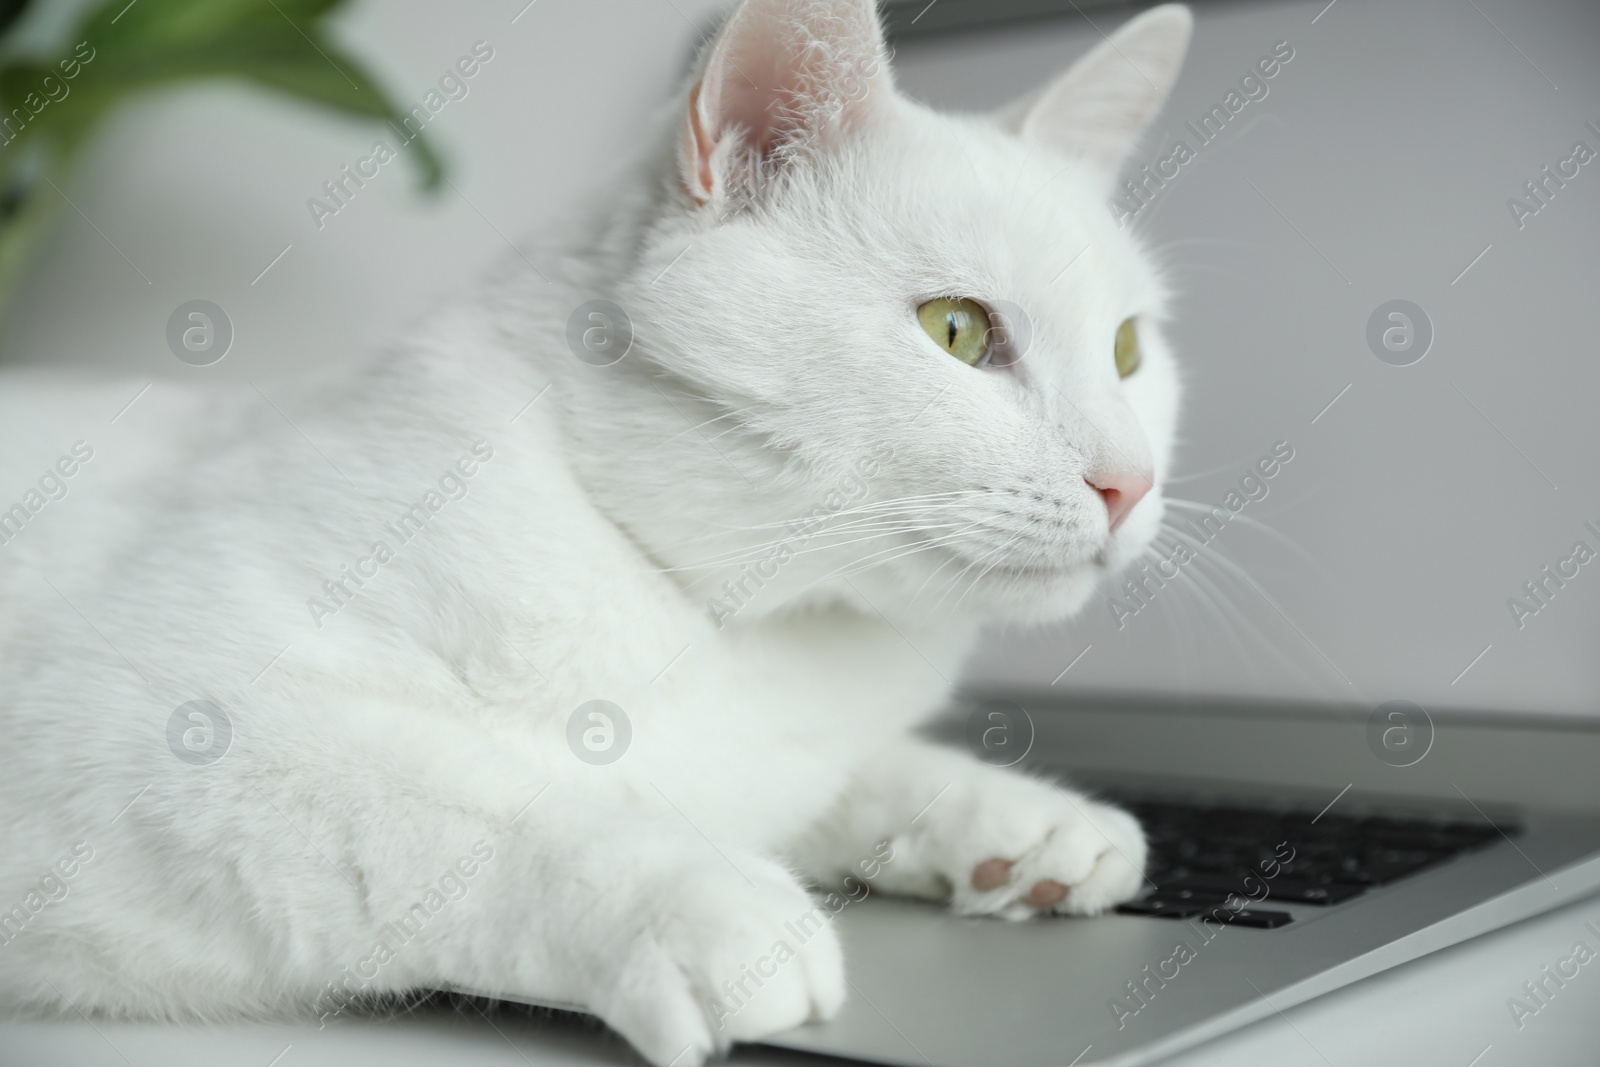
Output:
x=929 y=341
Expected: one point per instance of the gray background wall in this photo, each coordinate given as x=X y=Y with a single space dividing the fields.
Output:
x=1378 y=167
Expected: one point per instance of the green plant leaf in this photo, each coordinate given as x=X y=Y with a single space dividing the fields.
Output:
x=118 y=23
x=157 y=43
x=137 y=46
x=348 y=89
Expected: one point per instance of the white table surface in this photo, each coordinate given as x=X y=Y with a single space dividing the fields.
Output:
x=1440 y=1011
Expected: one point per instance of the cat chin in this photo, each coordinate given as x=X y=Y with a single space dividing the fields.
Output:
x=1034 y=595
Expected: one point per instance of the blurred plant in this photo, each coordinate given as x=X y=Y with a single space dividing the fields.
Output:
x=49 y=106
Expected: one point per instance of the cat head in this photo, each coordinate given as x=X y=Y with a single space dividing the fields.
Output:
x=909 y=358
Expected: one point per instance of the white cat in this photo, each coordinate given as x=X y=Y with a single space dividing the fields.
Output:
x=297 y=693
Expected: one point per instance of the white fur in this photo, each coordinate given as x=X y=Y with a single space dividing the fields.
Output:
x=778 y=369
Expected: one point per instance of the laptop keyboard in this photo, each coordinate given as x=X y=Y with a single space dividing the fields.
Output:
x=1230 y=862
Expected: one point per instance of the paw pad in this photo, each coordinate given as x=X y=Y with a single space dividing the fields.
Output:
x=993 y=874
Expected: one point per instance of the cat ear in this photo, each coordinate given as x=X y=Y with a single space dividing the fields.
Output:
x=780 y=73
x=1098 y=109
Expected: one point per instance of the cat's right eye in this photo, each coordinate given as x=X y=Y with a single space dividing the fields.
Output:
x=960 y=327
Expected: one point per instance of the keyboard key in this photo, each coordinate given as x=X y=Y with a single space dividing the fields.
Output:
x=1188 y=878
x=1290 y=890
x=1161 y=907
x=1294 y=891
x=1262 y=920
x=1205 y=898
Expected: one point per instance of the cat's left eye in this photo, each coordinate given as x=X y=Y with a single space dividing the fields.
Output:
x=960 y=327
x=1127 y=352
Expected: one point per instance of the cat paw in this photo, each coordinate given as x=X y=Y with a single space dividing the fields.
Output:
x=727 y=956
x=1022 y=847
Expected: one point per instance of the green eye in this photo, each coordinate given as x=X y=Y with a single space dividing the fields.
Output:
x=960 y=327
x=1127 y=348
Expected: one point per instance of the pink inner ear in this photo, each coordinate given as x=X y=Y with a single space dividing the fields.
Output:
x=758 y=90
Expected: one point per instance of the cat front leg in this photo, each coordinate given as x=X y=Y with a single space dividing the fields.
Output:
x=706 y=950
x=307 y=885
x=680 y=947
x=990 y=840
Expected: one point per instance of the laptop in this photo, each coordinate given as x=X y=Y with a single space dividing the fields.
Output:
x=1367 y=730
x=1288 y=859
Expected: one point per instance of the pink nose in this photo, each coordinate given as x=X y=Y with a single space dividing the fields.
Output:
x=1121 y=490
